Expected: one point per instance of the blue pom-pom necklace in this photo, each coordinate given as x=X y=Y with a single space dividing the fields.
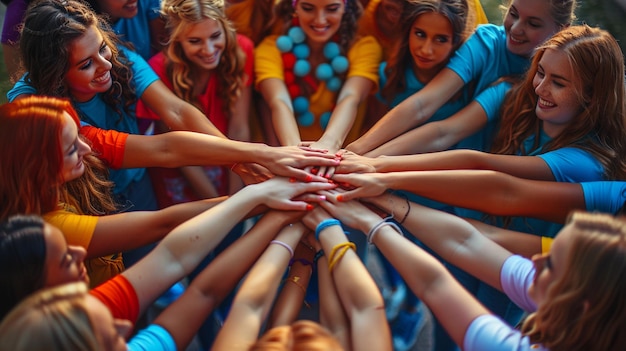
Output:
x=295 y=53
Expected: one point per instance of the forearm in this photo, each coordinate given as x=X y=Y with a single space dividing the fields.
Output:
x=218 y=279
x=344 y=114
x=451 y=159
x=332 y=314
x=426 y=138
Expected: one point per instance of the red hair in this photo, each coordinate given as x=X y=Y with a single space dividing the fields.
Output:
x=31 y=157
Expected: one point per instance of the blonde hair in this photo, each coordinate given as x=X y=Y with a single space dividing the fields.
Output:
x=299 y=336
x=53 y=319
x=180 y=15
x=586 y=309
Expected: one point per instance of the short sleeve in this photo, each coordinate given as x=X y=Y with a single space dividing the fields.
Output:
x=516 y=276
x=119 y=295
x=574 y=165
x=268 y=62
x=489 y=333
x=365 y=57
x=77 y=229
x=491 y=99
x=248 y=49
x=606 y=196
x=109 y=145
x=143 y=75
x=152 y=338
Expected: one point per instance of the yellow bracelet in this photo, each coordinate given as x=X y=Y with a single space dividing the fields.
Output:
x=337 y=253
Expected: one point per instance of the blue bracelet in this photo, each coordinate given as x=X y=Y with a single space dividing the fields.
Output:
x=325 y=224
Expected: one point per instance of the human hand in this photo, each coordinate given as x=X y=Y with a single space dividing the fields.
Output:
x=313 y=218
x=252 y=173
x=354 y=163
x=360 y=185
x=283 y=194
x=293 y=161
x=352 y=213
x=322 y=171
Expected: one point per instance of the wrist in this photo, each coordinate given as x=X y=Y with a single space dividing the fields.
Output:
x=321 y=226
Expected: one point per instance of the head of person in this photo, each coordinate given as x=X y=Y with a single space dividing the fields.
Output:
x=63 y=318
x=431 y=31
x=202 y=40
x=115 y=9
x=300 y=335
x=579 y=286
x=68 y=51
x=45 y=161
x=34 y=255
x=322 y=20
x=389 y=14
x=529 y=23
x=574 y=91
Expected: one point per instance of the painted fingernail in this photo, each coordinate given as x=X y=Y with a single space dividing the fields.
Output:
x=309 y=207
x=308 y=178
x=314 y=170
x=339 y=197
x=338 y=154
x=322 y=197
x=292 y=180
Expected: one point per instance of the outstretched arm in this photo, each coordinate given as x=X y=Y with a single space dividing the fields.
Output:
x=184 y=317
x=529 y=167
x=359 y=294
x=181 y=251
x=451 y=237
x=436 y=136
x=411 y=112
x=177 y=149
x=256 y=294
x=491 y=192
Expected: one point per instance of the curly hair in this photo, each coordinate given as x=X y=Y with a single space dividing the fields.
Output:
x=31 y=181
x=585 y=309
x=301 y=335
x=180 y=15
x=50 y=27
x=345 y=36
x=456 y=11
x=600 y=126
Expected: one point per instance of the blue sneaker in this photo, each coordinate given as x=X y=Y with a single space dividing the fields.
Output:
x=170 y=295
x=406 y=327
x=394 y=300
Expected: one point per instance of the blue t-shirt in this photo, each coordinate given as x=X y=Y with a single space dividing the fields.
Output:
x=606 y=197
x=152 y=338
x=136 y=30
x=484 y=58
x=97 y=113
x=488 y=332
x=567 y=164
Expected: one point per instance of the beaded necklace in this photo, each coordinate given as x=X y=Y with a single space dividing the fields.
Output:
x=295 y=53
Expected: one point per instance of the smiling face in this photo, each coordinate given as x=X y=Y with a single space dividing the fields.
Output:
x=89 y=70
x=203 y=44
x=430 y=44
x=74 y=149
x=550 y=268
x=528 y=24
x=117 y=9
x=556 y=87
x=320 y=19
x=64 y=263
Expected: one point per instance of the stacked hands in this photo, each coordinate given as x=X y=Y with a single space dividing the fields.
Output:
x=331 y=182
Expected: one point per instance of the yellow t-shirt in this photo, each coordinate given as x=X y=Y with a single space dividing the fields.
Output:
x=78 y=230
x=364 y=58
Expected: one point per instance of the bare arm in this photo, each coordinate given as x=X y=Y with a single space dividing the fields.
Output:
x=451 y=237
x=529 y=167
x=183 y=317
x=436 y=136
x=256 y=294
x=359 y=294
x=181 y=251
x=411 y=112
x=491 y=192
x=354 y=91
x=284 y=122
x=176 y=149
